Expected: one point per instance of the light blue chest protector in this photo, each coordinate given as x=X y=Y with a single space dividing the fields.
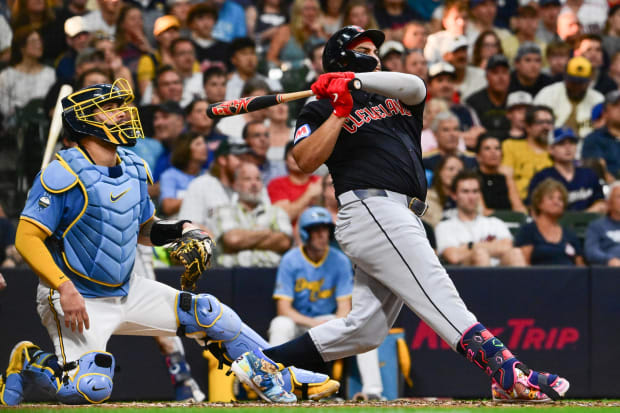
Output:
x=99 y=245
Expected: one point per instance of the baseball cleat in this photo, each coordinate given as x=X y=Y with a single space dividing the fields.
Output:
x=307 y=385
x=531 y=386
x=263 y=375
x=189 y=392
x=12 y=382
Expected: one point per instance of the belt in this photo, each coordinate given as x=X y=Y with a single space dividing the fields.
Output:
x=416 y=205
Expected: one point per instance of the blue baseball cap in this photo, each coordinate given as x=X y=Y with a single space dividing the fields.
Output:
x=561 y=134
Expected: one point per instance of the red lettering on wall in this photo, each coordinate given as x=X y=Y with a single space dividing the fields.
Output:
x=422 y=334
x=553 y=333
x=534 y=337
x=568 y=335
x=519 y=325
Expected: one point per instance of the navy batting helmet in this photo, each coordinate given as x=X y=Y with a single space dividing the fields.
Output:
x=86 y=113
x=338 y=58
x=312 y=217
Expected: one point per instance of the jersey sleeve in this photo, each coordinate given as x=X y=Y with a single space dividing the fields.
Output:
x=344 y=285
x=44 y=208
x=310 y=119
x=285 y=278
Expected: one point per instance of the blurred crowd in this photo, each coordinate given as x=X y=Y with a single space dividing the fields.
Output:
x=521 y=135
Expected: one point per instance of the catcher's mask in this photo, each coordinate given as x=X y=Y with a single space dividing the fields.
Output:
x=86 y=113
x=338 y=58
x=313 y=217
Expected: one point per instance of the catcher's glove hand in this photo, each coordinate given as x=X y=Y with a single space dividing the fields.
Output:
x=194 y=250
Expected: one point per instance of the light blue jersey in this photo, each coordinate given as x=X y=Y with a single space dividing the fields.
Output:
x=93 y=216
x=314 y=287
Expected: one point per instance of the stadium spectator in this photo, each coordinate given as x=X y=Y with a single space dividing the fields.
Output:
x=544 y=241
x=469 y=79
x=527 y=75
x=572 y=100
x=391 y=54
x=6 y=37
x=558 y=54
x=245 y=62
x=26 y=78
x=77 y=37
x=526 y=26
x=482 y=15
x=446 y=129
x=184 y=61
x=392 y=16
x=112 y=61
x=454 y=22
x=602 y=245
x=104 y=17
x=614 y=68
x=280 y=133
x=524 y=157
x=180 y=9
x=209 y=51
x=230 y=23
x=198 y=122
x=40 y=16
x=590 y=46
x=358 y=13
x=305 y=27
x=295 y=191
x=232 y=126
x=604 y=143
x=271 y=14
x=67 y=10
x=315 y=56
x=214 y=189
x=167 y=85
x=486 y=45
x=470 y=238
x=214 y=84
x=517 y=104
x=498 y=190
x=130 y=39
x=415 y=35
x=328 y=198
x=567 y=26
x=439 y=198
x=432 y=108
x=611 y=45
x=188 y=158
x=256 y=136
x=165 y=30
x=333 y=13
x=490 y=102
x=582 y=184
x=549 y=11
x=250 y=232
x=415 y=63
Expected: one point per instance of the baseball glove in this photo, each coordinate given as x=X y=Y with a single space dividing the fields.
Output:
x=194 y=250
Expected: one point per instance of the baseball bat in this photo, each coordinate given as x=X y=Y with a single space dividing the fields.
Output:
x=55 y=126
x=252 y=103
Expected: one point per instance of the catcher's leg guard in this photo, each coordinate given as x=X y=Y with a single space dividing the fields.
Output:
x=307 y=384
x=12 y=383
x=204 y=317
x=91 y=382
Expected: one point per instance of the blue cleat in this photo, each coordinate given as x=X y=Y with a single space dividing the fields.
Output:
x=307 y=385
x=263 y=375
x=12 y=381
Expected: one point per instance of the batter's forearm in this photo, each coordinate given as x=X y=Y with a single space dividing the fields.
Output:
x=409 y=89
x=313 y=151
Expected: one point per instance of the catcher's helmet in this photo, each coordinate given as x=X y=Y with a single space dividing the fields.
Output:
x=83 y=114
x=338 y=58
x=312 y=217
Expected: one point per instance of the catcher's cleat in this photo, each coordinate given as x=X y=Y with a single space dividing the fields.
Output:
x=263 y=375
x=12 y=381
x=530 y=386
x=307 y=385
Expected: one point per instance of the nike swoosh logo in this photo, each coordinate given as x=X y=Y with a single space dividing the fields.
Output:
x=115 y=198
x=97 y=389
x=335 y=96
x=210 y=308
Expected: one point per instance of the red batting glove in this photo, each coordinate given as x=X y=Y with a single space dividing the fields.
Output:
x=322 y=83
x=340 y=95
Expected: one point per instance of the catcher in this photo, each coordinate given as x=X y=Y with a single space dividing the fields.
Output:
x=78 y=232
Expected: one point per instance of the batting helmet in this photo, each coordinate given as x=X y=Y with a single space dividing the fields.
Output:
x=85 y=113
x=338 y=58
x=312 y=217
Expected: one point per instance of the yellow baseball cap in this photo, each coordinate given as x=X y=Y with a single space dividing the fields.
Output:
x=579 y=69
x=164 y=23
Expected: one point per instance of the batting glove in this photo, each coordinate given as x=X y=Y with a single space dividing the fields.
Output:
x=322 y=83
x=340 y=95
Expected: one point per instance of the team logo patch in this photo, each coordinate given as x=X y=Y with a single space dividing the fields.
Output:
x=44 y=202
x=302 y=132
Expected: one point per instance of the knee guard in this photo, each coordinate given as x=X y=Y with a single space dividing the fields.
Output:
x=204 y=317
x=308 y=385
x=91 y=382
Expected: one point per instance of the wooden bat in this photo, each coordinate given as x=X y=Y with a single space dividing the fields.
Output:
x=55 y=126
x=250 y=104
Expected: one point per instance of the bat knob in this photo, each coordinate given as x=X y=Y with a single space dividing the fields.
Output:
x=355 y=84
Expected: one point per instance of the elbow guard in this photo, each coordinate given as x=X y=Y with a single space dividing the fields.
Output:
x=166 y=231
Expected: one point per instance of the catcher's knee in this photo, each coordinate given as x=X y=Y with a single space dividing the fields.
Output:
x=91 y=382
x=204 y=317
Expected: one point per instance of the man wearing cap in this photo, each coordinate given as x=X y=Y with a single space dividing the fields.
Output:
x=582 y=184
x=214 y=189
x=604 y=143
x=165 y=30
x=590 y=46
x=490 y=102
x=209 y=51
x=446 y=129
x=391 y=54
x=454 y=21
x=572 y=100
x=527 y=75
x=77 y=36
x=548 y=11
x=469 y=79
x=517 y=104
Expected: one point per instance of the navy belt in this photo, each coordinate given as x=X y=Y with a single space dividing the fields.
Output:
x=416 y=205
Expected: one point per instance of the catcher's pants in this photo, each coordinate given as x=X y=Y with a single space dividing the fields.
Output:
x=283 y=329
x=149 y=309
x=394 y=265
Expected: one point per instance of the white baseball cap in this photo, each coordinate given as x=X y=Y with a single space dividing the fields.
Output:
x=518 y=98
x=74 y=26
x=391 y=46
x=455 y=44
x=441 y=68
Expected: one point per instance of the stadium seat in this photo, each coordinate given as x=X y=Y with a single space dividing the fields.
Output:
x=513 y=219
x=578 y=221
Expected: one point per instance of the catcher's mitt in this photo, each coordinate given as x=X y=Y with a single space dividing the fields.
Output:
x=194 y=250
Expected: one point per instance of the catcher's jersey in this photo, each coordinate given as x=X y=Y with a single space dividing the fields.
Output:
x=378 y=147
x=314 y=287
x=92 y=242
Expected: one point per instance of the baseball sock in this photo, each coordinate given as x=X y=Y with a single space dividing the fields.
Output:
x=300 y=352
x=488 y=352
